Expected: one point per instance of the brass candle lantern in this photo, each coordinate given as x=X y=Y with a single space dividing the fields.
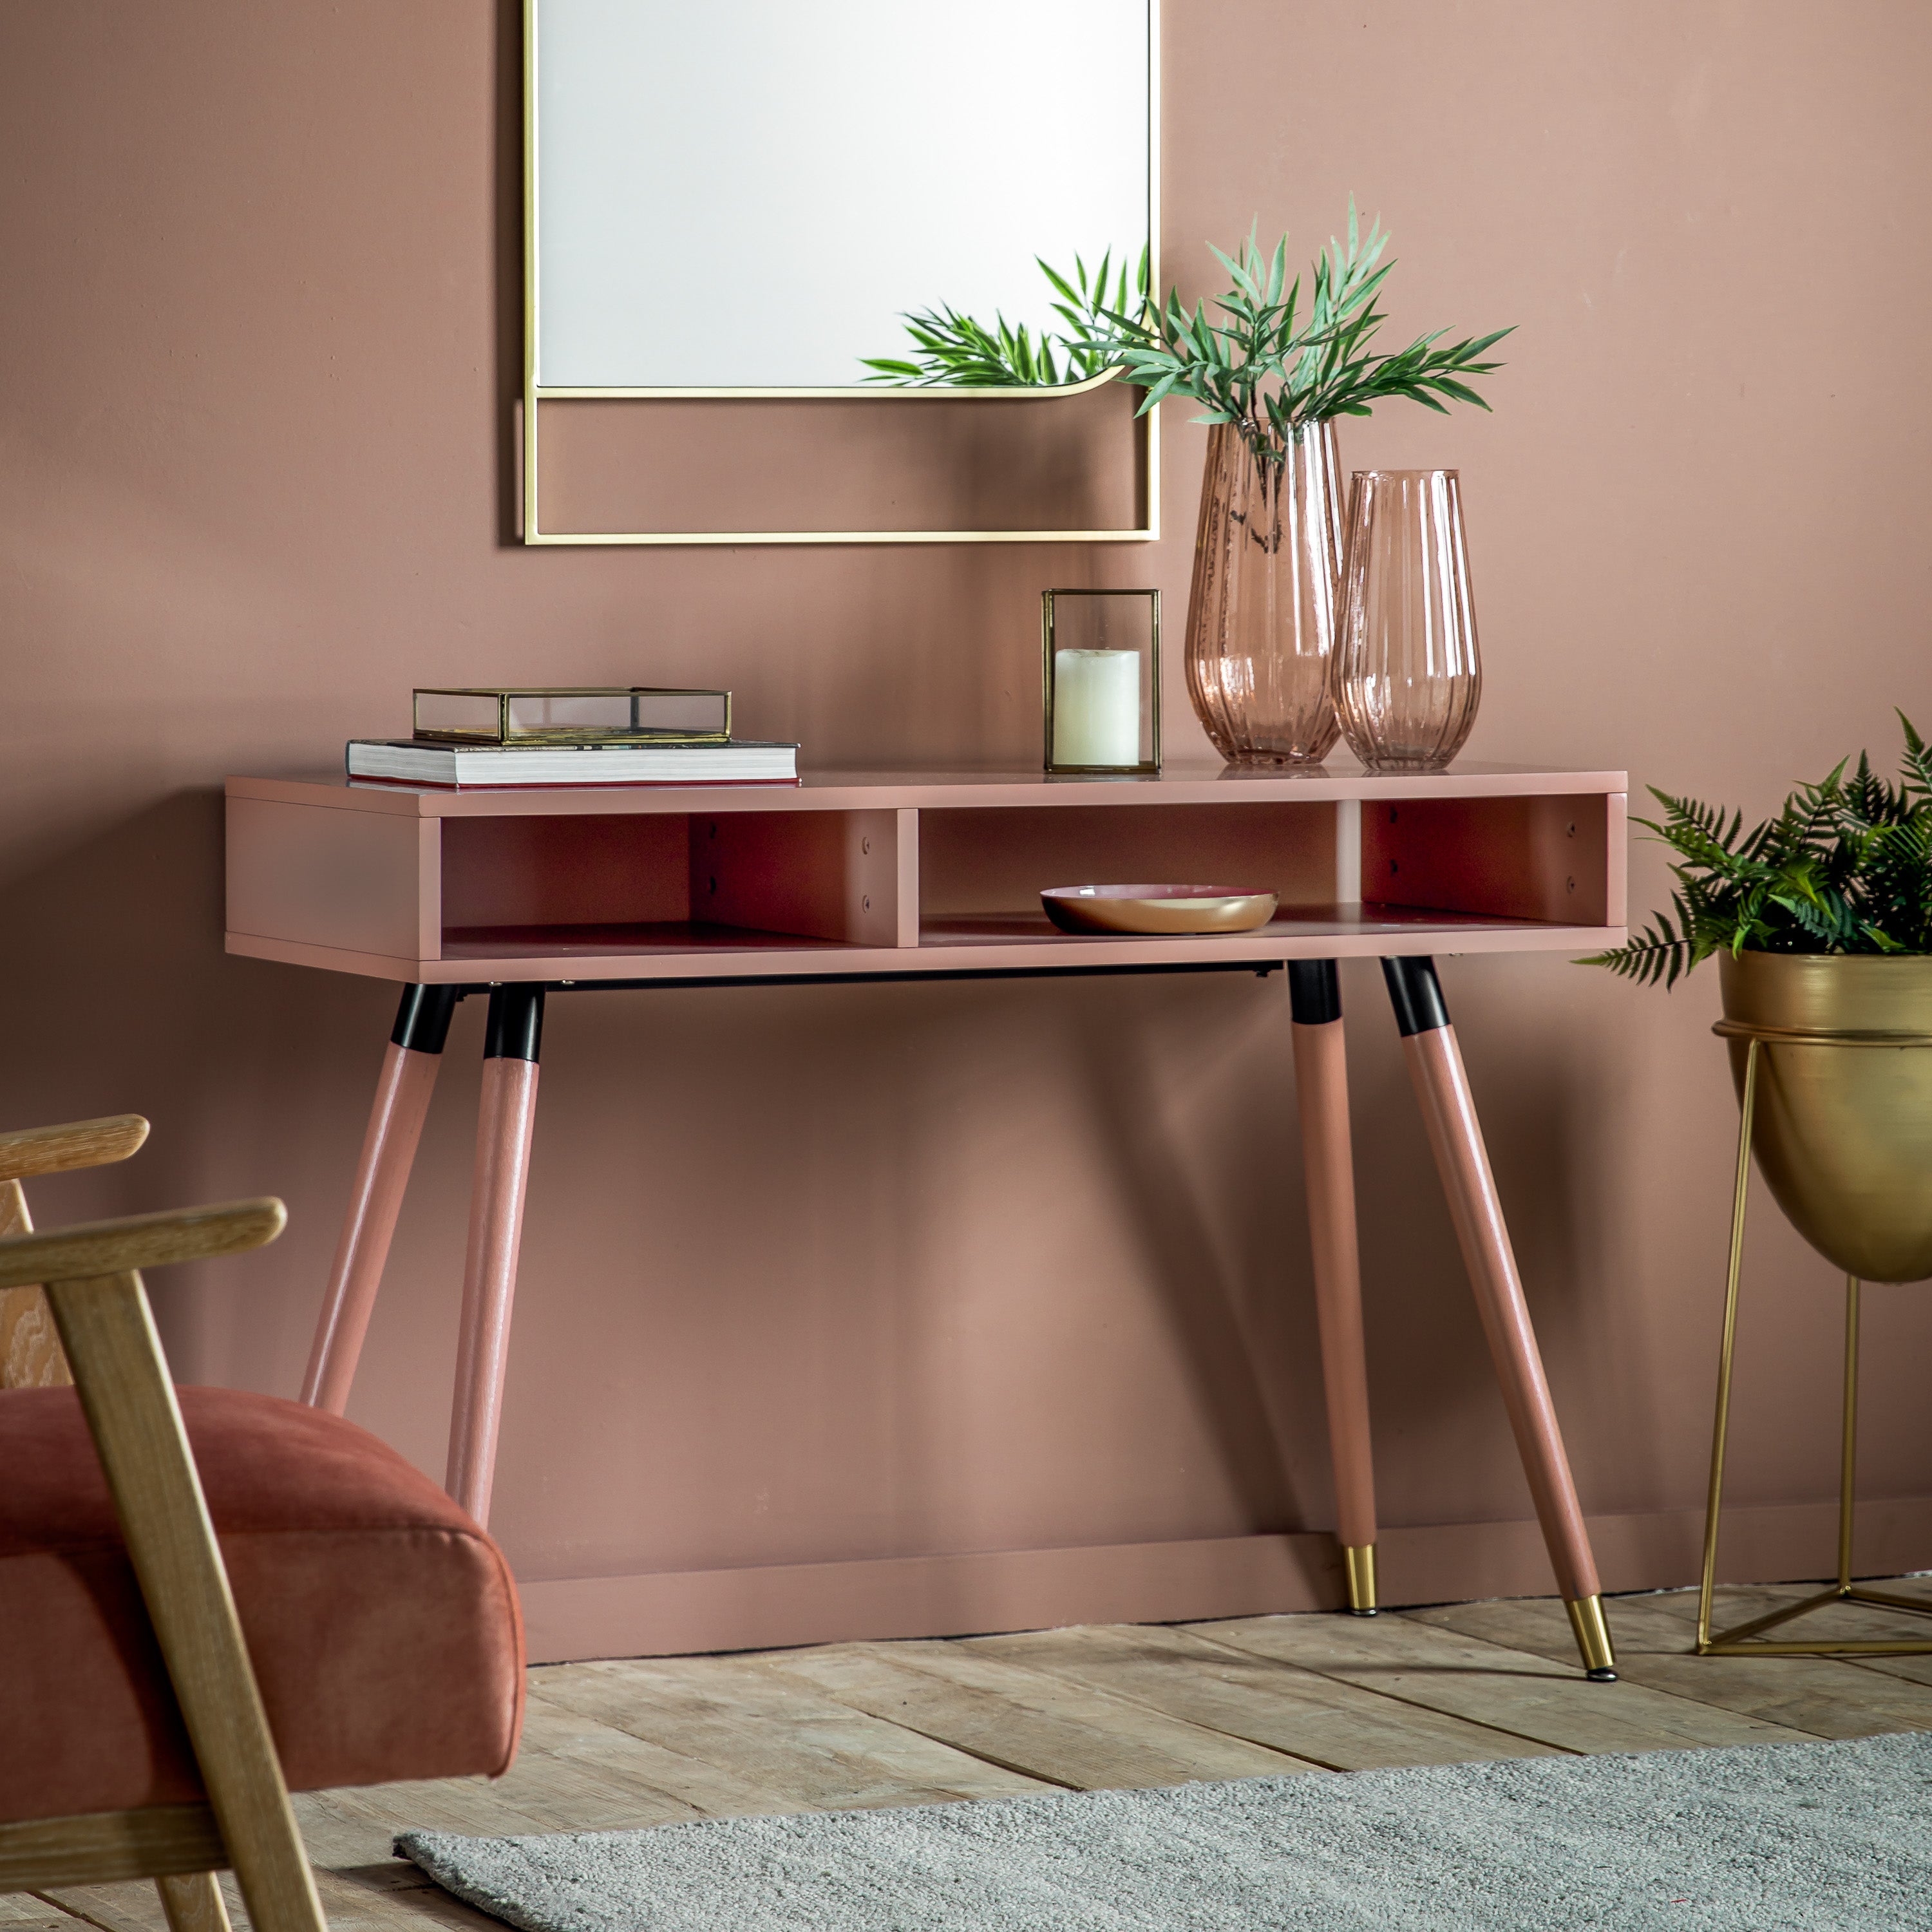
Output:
x=1100 y=681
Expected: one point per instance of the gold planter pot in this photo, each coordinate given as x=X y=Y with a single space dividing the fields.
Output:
x=1842 y=1126
x=1834 y=1089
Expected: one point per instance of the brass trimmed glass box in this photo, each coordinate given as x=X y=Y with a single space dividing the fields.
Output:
x=587 y=714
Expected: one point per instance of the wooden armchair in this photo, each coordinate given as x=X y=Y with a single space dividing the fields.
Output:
x=155 y=1719
x=30 y=1350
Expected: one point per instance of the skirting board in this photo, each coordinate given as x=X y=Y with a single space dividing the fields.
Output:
x=677 y=1613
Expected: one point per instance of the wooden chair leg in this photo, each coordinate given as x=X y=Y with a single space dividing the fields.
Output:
x=121 y=1376
x=1455 y=1138
x=1321 y=1094
x=505 y=1120
x=410 y=1064
x=194 y=1903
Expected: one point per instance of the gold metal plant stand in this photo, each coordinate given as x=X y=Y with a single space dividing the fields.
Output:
x=1745 y=1640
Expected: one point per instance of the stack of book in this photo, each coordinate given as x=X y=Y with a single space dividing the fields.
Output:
x=580 y=735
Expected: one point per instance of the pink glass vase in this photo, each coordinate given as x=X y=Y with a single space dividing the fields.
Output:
x=1408 y=675
x=1260 y=614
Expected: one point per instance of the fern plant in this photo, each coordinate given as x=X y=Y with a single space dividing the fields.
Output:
x=1845 y=867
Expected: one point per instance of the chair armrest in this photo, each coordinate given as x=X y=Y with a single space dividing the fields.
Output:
x=28 y=1151
x=92 y=1248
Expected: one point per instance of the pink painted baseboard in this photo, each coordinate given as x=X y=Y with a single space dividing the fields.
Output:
x=676 y=1613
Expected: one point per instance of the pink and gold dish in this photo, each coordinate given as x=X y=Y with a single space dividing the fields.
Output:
x=1157 y=909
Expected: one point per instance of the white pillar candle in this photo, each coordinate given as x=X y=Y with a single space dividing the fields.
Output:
x=1097 y=707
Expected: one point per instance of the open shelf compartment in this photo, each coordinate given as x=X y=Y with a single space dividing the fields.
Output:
x=982 y=869
x=620 y=886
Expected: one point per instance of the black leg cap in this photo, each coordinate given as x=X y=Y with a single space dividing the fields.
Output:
x=1370 y=1612
x=1601 y=1676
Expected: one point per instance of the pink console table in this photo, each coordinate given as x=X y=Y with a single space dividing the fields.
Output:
x=862 y=876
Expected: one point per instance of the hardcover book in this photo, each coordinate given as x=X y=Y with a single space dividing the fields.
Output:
x=416 y=761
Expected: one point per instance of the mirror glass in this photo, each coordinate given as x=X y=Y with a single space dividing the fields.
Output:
x=750 y=194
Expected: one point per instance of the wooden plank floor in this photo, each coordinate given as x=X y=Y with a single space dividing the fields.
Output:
x=623 y=1744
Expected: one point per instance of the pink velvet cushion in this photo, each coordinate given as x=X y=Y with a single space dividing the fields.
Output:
x=381 y=1622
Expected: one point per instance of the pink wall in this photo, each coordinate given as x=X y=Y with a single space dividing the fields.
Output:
x=824 y=1275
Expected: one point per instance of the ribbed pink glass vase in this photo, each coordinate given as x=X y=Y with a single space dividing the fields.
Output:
x=1261 y=615
x=1408 y=673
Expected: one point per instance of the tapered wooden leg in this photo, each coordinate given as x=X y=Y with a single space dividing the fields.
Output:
x=194 y=1903
x=504 y=1124
x=1321 y=1094
x=1455 y=1138
x=408 y=1078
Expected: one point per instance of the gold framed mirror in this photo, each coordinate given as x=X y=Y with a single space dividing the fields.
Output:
x=729 y=212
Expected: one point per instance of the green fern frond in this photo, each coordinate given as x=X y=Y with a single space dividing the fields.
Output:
x=1918 y=761
x=1660 y=951
x=1844 y=866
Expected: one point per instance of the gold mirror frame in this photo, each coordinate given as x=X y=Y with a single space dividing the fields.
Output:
x=1147 y=427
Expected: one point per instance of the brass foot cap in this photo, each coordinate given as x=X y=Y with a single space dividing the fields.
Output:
x=1593 y=1637
x=1358 y=1566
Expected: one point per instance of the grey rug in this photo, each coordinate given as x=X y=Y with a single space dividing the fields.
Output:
x=1780 y=1836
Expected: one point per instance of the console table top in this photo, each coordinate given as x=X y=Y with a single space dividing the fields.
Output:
x=862 y=872
x=1198 y=783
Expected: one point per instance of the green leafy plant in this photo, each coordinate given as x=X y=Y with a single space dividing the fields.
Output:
x=1845 y=867
x=1270 y=367
x=954 y=350
x=1266 y=361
